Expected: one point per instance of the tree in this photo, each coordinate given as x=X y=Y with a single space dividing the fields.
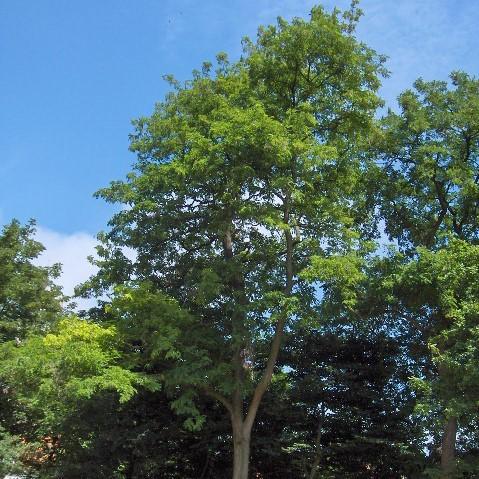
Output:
x=51 y=380
x=445 y=284
x=348 y=389
x=350 y=373
x=47 y=368
x=242 y=177
x=11 y=451
x=30 y=302
x=29 y=299
x=431 y=181
x=431 y=153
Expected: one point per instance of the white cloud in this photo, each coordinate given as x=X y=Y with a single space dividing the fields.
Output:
x=71 y=250
x=425 y=39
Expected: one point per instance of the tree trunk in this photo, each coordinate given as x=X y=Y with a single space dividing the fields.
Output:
x=242 y=424
x=317 y=456
x=448 y=447
x=241 y=449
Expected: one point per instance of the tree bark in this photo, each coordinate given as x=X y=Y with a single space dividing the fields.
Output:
x=242 y=424
x=241 y=433
x=317 y=444
x=448 y=448
x=241 y=448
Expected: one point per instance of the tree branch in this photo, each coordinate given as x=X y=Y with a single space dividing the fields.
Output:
x=265 y=381
x=217 y=396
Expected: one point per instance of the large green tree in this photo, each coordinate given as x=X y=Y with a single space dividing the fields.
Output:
x=431 y=189
x=243 y=175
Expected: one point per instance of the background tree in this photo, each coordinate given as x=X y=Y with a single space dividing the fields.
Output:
x=29 y=298
x=431 y=183
x=445 y=284
x=350 y=373
x=30 y=302
x=431 y=163
x=51 y=380
x=356 y=414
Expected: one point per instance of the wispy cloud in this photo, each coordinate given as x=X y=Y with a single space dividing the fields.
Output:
x=427 y=38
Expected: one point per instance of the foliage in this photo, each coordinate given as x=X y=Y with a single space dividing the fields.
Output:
x=431 y=153
x=30 y=302
x=50 y=378
x=446 y=282
x=11 y=451
x=430 y=196
x=29 y=298
x=243 y=175
x=348 y=392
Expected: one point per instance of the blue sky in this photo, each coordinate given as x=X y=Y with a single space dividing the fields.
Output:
x=74 y=74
